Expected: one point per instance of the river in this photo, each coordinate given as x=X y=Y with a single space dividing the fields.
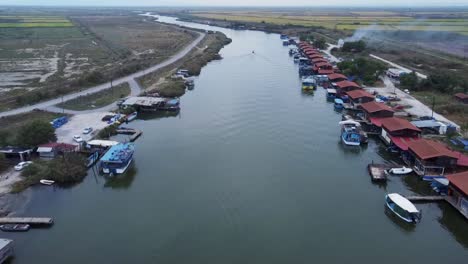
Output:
x=250 y=171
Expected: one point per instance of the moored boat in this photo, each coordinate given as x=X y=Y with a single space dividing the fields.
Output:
x=338 y=104
x=350 y=132
x=14 y=227
x=402 y=208
x=399 y=171
x=117 y=159
x=309 y=83
x=46 y=182
x=331 y=94
x=131 y=116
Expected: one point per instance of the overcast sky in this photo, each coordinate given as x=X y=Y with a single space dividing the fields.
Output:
x=421 y=3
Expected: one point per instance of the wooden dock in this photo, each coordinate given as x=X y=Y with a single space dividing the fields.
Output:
x=27 y=220
x=377 y=171
x=135 y=133
x=425 y=199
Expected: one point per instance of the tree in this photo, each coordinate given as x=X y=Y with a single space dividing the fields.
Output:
x=409 y=81
x=365 y=69
x=35 y=133
x=320 y=43
x=3 y=162
x=354 y=46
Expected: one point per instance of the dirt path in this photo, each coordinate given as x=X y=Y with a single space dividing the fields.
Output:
x=420 y=75
x=50 y=104
x=7 y=179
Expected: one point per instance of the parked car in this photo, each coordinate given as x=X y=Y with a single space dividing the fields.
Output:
x=22 y=165
x=77 y=139
x=87 y=130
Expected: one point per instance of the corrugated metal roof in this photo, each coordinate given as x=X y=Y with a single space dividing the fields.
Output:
x=427 y=123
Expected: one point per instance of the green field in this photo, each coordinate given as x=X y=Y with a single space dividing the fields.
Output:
x=97 y=100
x=34 y=21
x=388 y=21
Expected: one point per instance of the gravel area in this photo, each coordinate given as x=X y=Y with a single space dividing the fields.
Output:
x=76 y=124
x=417 y=108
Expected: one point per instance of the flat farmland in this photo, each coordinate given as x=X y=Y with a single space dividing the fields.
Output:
x=390 y=21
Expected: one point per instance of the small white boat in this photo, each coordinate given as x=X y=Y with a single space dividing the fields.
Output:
x=47 y=182
x=131 y=116
x=403 y=208
x=399 y=171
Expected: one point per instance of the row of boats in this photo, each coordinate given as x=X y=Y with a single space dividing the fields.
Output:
x=352 y=134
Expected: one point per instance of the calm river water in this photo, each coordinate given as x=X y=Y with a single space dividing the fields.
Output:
x=251 y=171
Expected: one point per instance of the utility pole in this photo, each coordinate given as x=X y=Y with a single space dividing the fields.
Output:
x=433 y=105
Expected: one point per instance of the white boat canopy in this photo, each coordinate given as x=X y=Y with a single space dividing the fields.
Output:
x=349 y=122
x=331 y=91
x=403 y=203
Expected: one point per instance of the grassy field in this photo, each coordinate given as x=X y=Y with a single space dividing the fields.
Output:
x=97 y=100
x=347 y=21
x=446 y=105
x=39 y=61
x=11 y=123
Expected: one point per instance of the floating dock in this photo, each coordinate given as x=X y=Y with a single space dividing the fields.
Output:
x=425 y=199
x=135 y=133
x=377 y=171
x=27 y=220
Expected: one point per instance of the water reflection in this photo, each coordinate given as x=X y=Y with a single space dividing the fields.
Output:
x=405 y=226
x=455 y=223
x=157 y=115
x=122 y=181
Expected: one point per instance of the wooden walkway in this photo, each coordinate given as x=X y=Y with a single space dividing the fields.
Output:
x=27 y=220
x=426 y=199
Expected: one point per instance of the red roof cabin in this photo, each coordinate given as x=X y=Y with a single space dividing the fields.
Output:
x=430 y=159
x=461 y=97
x=324 y=65
x=458 y=192
x=346 y=86
x=336 y=77
x=397 y=132
x=325 y=71
x=358 y=97
x=372 y=110
x=316 y=60
x=315 y=56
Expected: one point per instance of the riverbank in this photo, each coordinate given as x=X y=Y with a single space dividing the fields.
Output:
x=161 y=82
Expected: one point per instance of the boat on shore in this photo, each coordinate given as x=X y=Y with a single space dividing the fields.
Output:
x=402 y=208
x=46 y=182
x=117 y=159
x=15 y=227
x=399 y=171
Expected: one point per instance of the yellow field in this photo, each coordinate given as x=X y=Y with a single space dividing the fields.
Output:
x=357 y=20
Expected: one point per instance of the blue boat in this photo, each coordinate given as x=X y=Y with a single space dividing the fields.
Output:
x=350 y=136
x=338 y=104
x=331 y=94
x=118 y=158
